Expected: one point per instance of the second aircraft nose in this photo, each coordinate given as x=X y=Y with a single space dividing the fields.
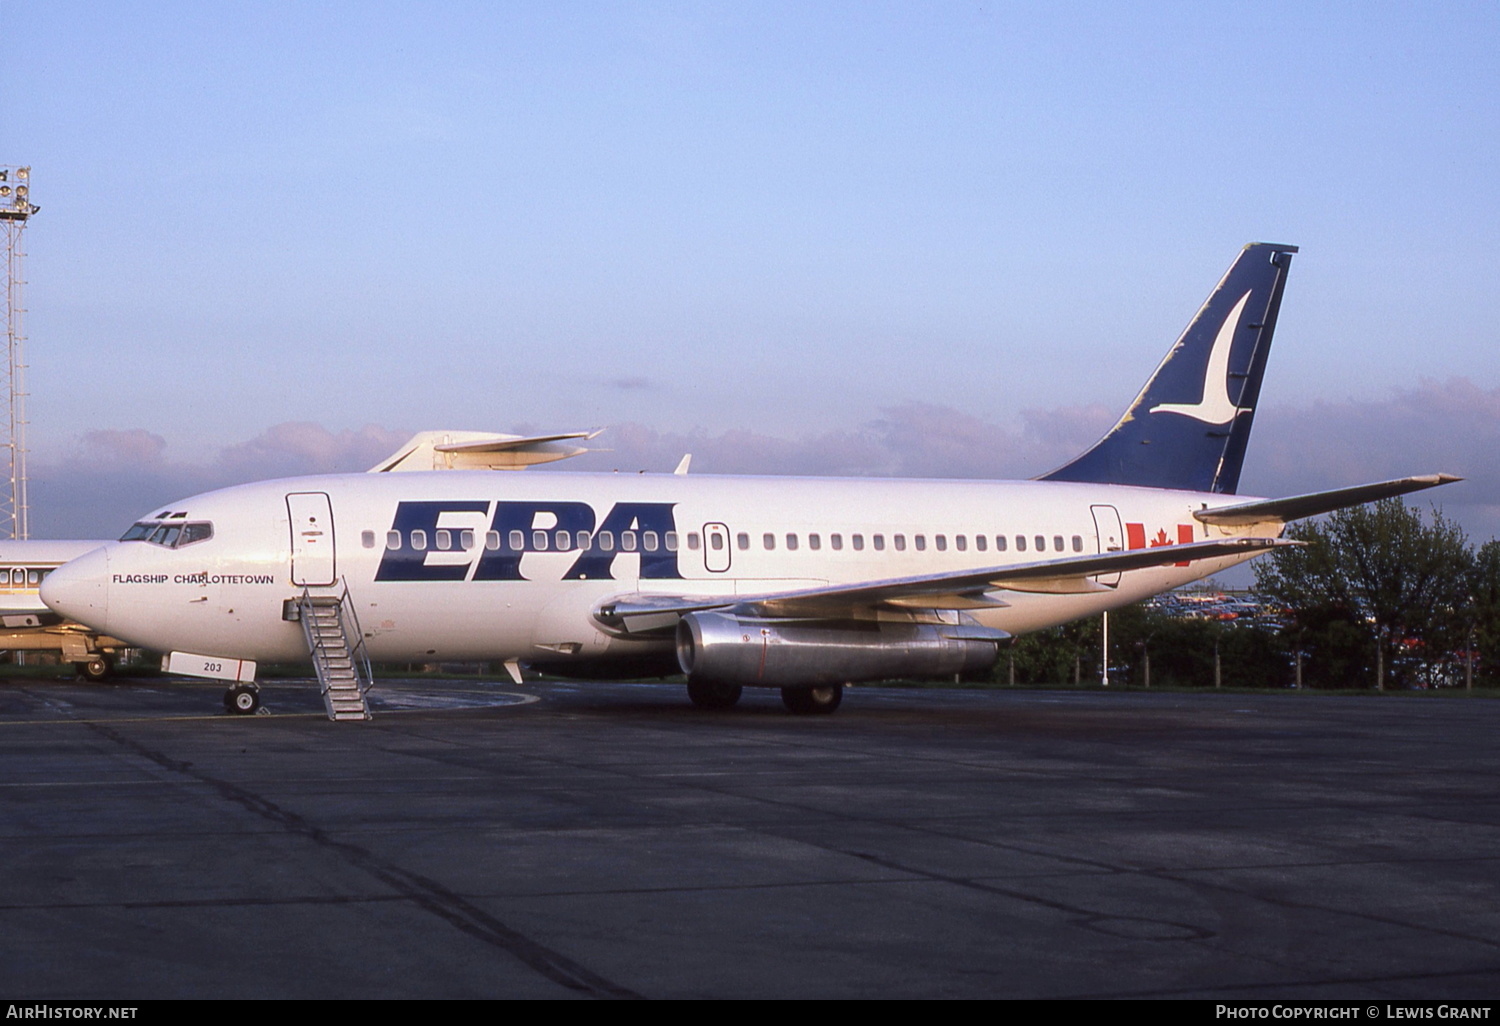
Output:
x=79 y=589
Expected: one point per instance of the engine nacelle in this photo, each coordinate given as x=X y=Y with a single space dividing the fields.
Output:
x=724 y=647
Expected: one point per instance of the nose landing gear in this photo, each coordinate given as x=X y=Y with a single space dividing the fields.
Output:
x=242 y=699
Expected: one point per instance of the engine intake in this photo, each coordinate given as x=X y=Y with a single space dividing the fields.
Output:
x=734 y=649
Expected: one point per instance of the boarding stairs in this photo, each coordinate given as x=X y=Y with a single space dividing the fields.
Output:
x=337 y=647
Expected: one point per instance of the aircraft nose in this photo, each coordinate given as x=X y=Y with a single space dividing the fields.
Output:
x=79 y=589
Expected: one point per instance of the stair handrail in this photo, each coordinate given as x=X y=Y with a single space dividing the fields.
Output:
x=359 y=653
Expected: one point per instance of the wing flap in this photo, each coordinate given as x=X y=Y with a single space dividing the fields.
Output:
x=639 y=614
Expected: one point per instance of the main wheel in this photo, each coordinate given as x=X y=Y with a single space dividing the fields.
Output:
x=95 y=668
x=821 y=700
x=242 y=699
x=713 y=694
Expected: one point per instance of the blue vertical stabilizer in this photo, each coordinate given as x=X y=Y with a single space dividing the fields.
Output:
x=1189 y=426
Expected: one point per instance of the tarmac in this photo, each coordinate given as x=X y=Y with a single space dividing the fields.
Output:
x=482 y=840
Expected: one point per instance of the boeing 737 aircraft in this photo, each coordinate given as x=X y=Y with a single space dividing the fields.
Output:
x=796 y=583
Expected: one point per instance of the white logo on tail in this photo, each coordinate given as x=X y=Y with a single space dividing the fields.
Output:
x=1214 y=407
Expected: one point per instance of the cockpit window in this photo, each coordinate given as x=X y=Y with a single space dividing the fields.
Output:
x=195 y=533
x=166 y=535
x=171 y=536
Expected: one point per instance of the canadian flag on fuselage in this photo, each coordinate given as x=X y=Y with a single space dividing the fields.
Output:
x=1135 y=537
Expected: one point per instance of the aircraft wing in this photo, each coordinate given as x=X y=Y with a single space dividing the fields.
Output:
x=960 y=589
x=1295 y=507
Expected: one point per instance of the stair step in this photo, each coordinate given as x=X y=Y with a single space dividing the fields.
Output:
x=343 y=678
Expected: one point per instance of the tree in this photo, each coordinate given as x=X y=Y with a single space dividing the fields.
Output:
x=1481 y=619
x=1057 y=655
x=1377 y=576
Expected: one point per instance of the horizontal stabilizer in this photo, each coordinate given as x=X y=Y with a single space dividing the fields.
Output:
x=1296 y=507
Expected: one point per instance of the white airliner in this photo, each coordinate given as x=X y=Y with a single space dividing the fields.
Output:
x=26 y=624
x=795 y=583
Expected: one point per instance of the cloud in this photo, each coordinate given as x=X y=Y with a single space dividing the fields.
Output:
x=108 y=448
x=288 y=450
x=1453 y=425
x=633 y=384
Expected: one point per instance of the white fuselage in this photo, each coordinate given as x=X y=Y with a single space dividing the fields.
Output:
x=482 y=565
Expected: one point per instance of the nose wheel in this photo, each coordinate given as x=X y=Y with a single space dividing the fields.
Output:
x=242 y=699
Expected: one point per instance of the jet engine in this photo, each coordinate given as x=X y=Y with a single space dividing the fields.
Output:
x=729 y=648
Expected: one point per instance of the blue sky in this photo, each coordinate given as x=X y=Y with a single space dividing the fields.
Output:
x=920 y=238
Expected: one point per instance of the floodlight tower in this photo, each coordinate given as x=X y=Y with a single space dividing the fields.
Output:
x=16 y=209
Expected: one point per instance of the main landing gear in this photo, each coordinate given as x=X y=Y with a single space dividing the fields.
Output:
x=95 y=669
x=804 y=701
x=713 y=695
x=242 y=699
x=818 y=701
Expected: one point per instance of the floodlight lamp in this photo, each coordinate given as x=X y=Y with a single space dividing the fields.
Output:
x=23 y=173
x=4 y=190
x=21 y=191
x=3 y=173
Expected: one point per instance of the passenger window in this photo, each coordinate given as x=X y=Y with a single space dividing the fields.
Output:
x=1000 y=541
x=769 y=541
x=1020 y=543
x=627 y=541
x=367 y=539
x=442 y=539
x=920 y=541
x=815 y=541
x=961 y=543
x=941 y=541
x=518 y=541
x=539 y=540
x=1057 y=542
x=836 y=541
x=742 y=540
x=791 y=542
x=649 y=540
x=857 y=541
x=981 y=542
x=879 y=542
x=716 y=541
x=392 y=540
x=693 y=542
x=33 y=577
x=492 y=541
x=1077 y=543
x=900 y=543
x=466 y=539
x=563 y=539
x=605 y=540
x=1041 y=543
x=17 y=578
x=419 y=540
x=582 y=539
x=670 y=538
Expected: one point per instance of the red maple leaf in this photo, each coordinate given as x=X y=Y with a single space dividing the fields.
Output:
x=1160 y=539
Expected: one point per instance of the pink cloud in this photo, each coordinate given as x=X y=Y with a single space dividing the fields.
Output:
x=1451 y=425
